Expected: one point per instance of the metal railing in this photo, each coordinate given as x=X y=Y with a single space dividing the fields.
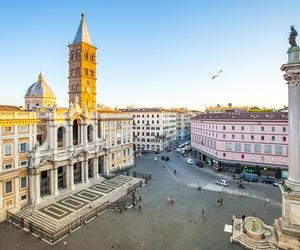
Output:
x=54 y=237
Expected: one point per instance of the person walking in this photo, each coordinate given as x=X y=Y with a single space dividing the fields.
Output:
x=203 y=213
x=221 y=201
x=140 y=198
x=140 y=207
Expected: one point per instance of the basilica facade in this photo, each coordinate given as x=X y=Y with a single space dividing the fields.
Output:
x=46 y=150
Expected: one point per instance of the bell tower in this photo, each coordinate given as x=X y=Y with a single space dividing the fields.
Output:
x=82 y=68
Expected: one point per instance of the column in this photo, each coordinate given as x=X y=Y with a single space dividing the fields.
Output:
x=81 y=134
x=17 y=190
x=70 y=134
x=71 y=176
x=106 y=163
x=31 y=185
x=54 y=129
x=85 y=171
x=1 y=196
x=54 y=181
x=85 y=141
x=37 y=197
x=95 y=167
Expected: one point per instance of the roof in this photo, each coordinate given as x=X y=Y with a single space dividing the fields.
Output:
x=82 y=34
x=40 y=89
x=136 y=110
x=255 y=116
x=9 y=108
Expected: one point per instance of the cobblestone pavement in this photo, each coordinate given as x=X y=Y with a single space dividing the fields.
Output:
x=159 y=224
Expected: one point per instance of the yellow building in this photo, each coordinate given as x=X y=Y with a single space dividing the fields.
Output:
x=47 y=150
x=18 y=129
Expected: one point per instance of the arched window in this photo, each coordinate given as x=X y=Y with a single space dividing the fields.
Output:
x=61 y=137
x=90 y=133
x=75 y=133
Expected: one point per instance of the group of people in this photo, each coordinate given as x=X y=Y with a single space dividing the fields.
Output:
x=220 y=202
x=170 y=200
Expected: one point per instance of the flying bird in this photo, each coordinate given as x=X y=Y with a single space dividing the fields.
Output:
x=217 y=75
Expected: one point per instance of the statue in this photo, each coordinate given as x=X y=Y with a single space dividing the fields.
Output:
x=292 y=37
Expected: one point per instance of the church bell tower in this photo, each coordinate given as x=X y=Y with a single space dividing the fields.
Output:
x=82 y=68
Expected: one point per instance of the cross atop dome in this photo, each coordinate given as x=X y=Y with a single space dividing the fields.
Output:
x=82 y=34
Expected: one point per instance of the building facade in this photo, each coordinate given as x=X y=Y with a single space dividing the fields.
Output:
x=183 y=123
x=248 y=142
x=154 y=129
x=46 y=149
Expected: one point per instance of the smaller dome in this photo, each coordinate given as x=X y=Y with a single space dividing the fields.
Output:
x=40 y=89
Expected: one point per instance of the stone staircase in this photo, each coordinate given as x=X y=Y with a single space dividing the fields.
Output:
x=239 y=237
x=31 y=213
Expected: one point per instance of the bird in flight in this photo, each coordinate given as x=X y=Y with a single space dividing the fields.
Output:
x=217 y=75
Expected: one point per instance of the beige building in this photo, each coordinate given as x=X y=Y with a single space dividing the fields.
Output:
x=154 y=129
x=46 y=149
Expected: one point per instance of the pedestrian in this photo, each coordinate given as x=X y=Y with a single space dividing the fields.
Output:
x=140 y=207
x=133 y=204
x=221 y=201
x=203 y=213
x=243 y=218
x=140 y=198
x=218 y=202
x=174 y=171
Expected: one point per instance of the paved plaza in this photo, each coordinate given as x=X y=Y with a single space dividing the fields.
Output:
x=159 y=224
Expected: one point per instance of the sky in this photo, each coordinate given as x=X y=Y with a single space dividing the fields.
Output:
x=160 y=53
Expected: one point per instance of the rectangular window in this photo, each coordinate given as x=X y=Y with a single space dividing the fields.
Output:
x=262 y=128
x=242 y=137
x=238 y=147
x=233 y=128
x=7 y=149
x=228 y=146
x=242 y=127
x=273 y=129
x=23 y=128
x=8 y=187
x=224 y=136
x=224 y=127
x=283 y=129
x=247 y=148
x=273 y=138
x=232 y=136
x=252 y=137
x=112 y=156
x=24 y=197
x=23 y=182
x=268 y=149
x=257 y=148
x=284 y=138
x=23 y=146
x=262 y=138
x=7 y=166
x=7 y=129
x=278 y=149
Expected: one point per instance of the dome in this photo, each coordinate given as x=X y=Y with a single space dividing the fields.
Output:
x=40 y=89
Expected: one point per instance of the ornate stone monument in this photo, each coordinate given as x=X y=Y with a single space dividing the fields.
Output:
x=251 y=232
x=288 y=226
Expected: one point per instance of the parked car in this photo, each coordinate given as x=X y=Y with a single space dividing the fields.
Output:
x=268 y=180
x=277 y=183
x=249 y=177
x=222 y=182
x=200 y=164
x=190 y=161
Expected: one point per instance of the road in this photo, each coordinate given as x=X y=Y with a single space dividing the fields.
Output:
x=193 y=176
